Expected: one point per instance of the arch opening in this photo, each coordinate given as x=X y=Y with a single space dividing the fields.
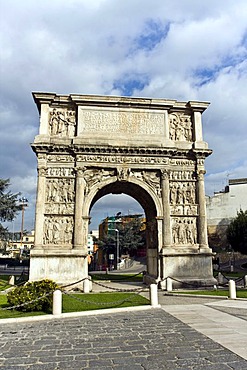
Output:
x=148 y=207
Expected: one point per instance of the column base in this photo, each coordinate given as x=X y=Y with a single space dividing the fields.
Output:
x=62 y=266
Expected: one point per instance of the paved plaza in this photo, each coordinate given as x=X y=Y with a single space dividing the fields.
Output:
x=185 y=333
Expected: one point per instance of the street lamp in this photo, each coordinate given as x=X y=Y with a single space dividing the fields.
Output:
x=117 y=231
x=23 y=202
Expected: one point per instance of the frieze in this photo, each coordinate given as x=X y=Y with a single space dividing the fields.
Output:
x=122 y=159
x=59 y=208
x=60 y=172
x=181 y=162
x=105 y=121
x=60 y=158
x=186 y=210
x=182 y=175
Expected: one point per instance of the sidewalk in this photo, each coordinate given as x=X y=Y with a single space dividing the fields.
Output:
x=223 y=321
x=186 y=333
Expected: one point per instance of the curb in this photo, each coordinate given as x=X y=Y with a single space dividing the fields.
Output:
x=77 y=314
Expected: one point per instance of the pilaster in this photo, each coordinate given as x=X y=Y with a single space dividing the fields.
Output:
x=166 y=208
x=202 y=217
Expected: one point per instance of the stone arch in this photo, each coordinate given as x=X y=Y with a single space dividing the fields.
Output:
x=150 y=149
x=152 y=208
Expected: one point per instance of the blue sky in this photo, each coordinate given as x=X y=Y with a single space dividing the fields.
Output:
x=172 y=49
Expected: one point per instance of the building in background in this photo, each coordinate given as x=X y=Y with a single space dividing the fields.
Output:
x=222 y=208
x=111 y=226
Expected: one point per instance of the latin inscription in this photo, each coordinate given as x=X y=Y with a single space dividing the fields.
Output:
x=106 y=121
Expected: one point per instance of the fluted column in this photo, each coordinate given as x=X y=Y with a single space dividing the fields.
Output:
x=202 y=221
x=40 y=207
x=79 y=199
x=166 y=208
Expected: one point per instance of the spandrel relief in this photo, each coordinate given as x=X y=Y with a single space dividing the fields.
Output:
x=152 y=178
x=182 y=193
x=184 y=230
x=180 y=127
x=62 y=123
x=58 y=230
x=94 y=176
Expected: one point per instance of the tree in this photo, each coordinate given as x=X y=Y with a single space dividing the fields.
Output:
x=8 y=205
x=237 y=232
x=130 y=237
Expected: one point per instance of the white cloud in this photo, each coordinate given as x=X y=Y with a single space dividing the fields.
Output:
x=183 y=50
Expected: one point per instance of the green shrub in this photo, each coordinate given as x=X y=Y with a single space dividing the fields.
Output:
x=38 y=293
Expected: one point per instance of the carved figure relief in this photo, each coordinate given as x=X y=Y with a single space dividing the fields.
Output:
x=60 y=158
x=182 y=193
x=188 y=210
x=59 y=208
x=58 y=230
x=60 y=191
x=60 y=172
x=180 y=127
x=184 y=231
x=152 y=178
x=182 y=175
x=94 y=176
x=123 y=173
x=62 y=122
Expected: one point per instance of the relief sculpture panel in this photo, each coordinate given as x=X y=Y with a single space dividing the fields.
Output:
x=180 y=127
x=62 y=122
x=152 y=178
x=60 y=196
x=184 y=230
x=58 y=230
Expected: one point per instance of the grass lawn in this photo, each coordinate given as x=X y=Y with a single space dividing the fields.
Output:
x=223 y=293
x=82 y=302
x=119 y=277
x=4 y=284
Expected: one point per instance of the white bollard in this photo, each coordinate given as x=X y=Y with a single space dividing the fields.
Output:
x=245 y=281
x=12 y=280
x=86 y=286
x=153 y=292
x=169 y=284
x=232 y=289
x=57 y=302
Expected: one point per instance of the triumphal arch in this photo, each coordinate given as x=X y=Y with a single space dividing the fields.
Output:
x=151 y=149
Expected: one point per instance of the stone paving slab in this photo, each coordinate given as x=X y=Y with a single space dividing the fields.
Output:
x=132 y=340
x=227 y=330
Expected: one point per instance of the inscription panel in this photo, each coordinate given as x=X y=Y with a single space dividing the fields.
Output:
x=108 y=121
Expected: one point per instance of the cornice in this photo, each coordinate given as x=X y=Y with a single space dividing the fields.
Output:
x=125 y=151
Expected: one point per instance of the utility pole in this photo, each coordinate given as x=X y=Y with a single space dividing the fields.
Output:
x=23 y=202
x=117 y=247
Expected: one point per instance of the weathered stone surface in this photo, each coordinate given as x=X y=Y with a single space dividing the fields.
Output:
x=87 y=343
x=150 y=149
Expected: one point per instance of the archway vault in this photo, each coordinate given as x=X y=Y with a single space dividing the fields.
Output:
x=150 y=149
